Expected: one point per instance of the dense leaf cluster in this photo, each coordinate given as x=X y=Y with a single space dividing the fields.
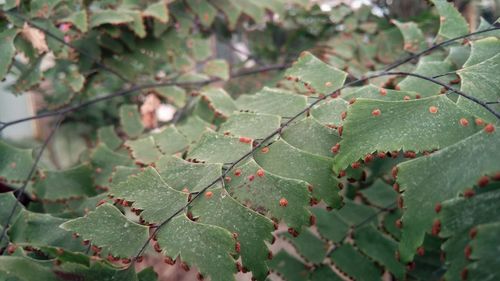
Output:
x=393 y=175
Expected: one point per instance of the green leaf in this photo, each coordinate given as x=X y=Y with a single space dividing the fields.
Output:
x=209 y=247
x=354 y=264
x=287 y=161
x=215 y=148
x=15 y=163
x=215 y=102
x=158 y=10
x=217 y=68
x=107 y=228
x=97 y=271
x=389 y=44
x=193 y=128
x=414 y=40
x=486 y=253
x=78 y=19
x=180 y=174
x=452 y=24
x=148 y=192
x=254 y=126
x=174 y=95
x=204 y=10
x=130 y=120
x=376 y=93
x=379 y=247
x=147 y=274
x=73 y=183
x=113 y=17
x=289 y=267
x=170 y=141
x=311 y=248
x=407 y=125
x=323 y=78
x=380 y=194
x=310 y=136
x=330 y=225
x=143 y=150
x=263 y=194
x=423 y=188
x=273 y=101
x=108 y=136
x=41 y=230
x=329 y=113
x=200 y=47
x=428 y=69
x=252 y=230
x=26 y=269
x=137 y=25
x=104 y=160
x=324 y=272
x=230 y=10
x=8 y=50
x=479 y=79
x=458 y=216
x=8 y=200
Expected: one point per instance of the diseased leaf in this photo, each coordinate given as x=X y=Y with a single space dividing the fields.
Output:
x=452 y=24
x=107 y=228
x=215 y=148
x=182 y=175
x=251 y=229
x=170 y=141
x=131 y=120
x=414 y=125
x=329 y=113
x=310 y=136
x=423 y=188
x=15 y=163
x=22 y=268
x=73 y=183
x=251 y=125
x=486 y=257
x=458 y=217
x=204 y=10
x=479 y=79
x=264 y=192
x=42 y=230
x=148 y=192
x=287 y=161
x=321 y=77
x=158 y=10
x=421 y=87
x=414 y=40
x=312 y=248
x=109 y=137
x=273 y=101
x=289 y=267
x=209 y=248
x=109 y=17
x=217 y=68
x=104 y=160
x=379 y=247
x=354 y=264
x=143 y=150
x=78 y=19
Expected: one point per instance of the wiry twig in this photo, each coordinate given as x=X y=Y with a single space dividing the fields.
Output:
x=28 y=178
x=435 y=46
x=136 y=88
